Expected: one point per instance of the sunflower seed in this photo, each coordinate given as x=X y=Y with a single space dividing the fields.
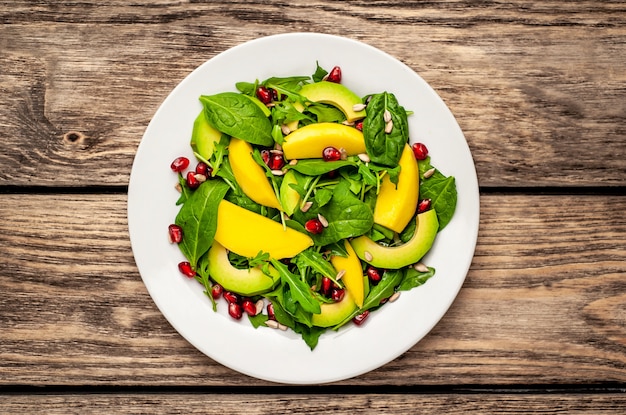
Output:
x=306 y=206
x=178 y=188
x=282 y=327
x=322 y=220
x=278 y=172
x=200 y=177
x=340 y=274
x=285 y=130
x=273 y=324
x=394 y=297
x=293 y=162
x=364 y=157
x=368 y=256
x=259 y=306
x=389 y=127
x=429 y=173
x=358 y=107
x=344 y=153
x=387 y=116
x=420 y=267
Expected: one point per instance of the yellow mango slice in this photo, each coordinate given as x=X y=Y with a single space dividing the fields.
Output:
x=395 y=206
x=353 y=278
x=247 y=233
x=250 y=176
x=311 y=140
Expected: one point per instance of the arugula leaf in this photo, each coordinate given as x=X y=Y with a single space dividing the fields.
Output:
x=300 y=291
x=198 y=219
x=236 y=115
x=385 y=148
x=317 y=167
x=319 y=74
x=315 y=260
x=413 y=278
x=202 y=276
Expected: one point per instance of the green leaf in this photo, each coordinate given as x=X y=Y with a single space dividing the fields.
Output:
x=316 y=261
x=441 y=190
x=300 y=291
x=236 y=115
x=382 y=147
x=198 y=219
x=319 y=74
x=317 y=167
x=413 y=278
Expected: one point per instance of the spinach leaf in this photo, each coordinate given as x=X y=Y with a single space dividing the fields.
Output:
x=299 y=290
x=382 y=147
x=317 y=167
x=441 y=190
x=413 y=278
x=310 y=335
x=236 y=115
x=198 y=219
x=319 y=74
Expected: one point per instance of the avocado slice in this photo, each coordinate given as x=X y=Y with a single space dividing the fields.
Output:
x=247 y=282
x=336 y=95
x=394 y=257
x=289 y=197
x=204 y=137
x=332 y=314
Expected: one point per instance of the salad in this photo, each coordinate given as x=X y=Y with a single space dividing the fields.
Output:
x=307 y=208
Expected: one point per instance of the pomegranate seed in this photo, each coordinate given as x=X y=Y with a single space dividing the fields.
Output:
x=334 y=75
x=231 y=297
x=359 y=319
x=265 y=155
x=326 y=284
x=235 y=310
x=249 y=307
x=276 y=161
x=175 y=233
x=314 y=226
x=179 y=164
x=186 y=269
x=270 y=312
x=331 y=154
x=359 y=125
x=420 y=151
x=276 y=96
x=192 y=181
x=374 y=275
x=204 y=169
x=264 y=94
x=217 y=291
x=337 y=294
x=423 y=205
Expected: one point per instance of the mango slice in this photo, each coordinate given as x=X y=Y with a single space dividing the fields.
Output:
x=247 y=233
x=336 y=95
x=353 y=278
x=250 y=176
x=406 y=254
x=311 y=140
x=395 y=206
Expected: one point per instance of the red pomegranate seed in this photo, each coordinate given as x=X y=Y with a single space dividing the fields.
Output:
x=326 y=285
x=270 y=312
x=235 y=310
x=359 y=319
x=264 y=94
x=359 y=125
x=337 y=294
x=334 y=75
x=186 y=269
x=420 y=151
x=231 y=297
x=192 y=180
x=216 y=291
x=265 y=155
x=374 y=275
x=249 y=307
x=314 y=226
x=175 y=233
x=203 y=168
x=423 y=205
x=179 y=164
x=276 y=161
x=331 y=154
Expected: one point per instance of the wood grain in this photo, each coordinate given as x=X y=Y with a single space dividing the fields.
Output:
x=537 y=87
x=543 y=304
x=256 y=404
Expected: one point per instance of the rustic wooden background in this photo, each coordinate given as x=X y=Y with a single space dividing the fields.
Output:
x=539 y=89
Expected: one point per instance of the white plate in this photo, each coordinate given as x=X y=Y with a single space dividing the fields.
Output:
x=269 y=354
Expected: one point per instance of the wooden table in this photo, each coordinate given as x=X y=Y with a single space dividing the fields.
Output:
x=539 y=89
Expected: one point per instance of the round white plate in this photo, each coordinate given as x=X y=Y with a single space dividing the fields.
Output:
x=275 y=355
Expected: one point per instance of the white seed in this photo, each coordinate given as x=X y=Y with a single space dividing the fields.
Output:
x=282 y=327
x=273 y=324
x=276 y=151
x=293 y=162
x=285 y=130
x=420 y=267
x=340 y=274
x=259 y=306
x=322 y=220
x=358 y=107
x=368 y=256
x=348 y=123
x=429 y=173
x=278 y=172
x=389 y=127
x=306 y=206
x=364 y=157
x=200 y=177
x=387 y=116
x=394 y=297
x=178 y=188
x=344 y=153
x=278 y=147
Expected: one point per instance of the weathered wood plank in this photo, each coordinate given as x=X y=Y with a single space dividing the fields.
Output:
x=252 y=404
x=538 y=87
x=543 y=302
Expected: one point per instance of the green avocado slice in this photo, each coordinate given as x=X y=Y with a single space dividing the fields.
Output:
x=336 y=95
x=395 y=257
